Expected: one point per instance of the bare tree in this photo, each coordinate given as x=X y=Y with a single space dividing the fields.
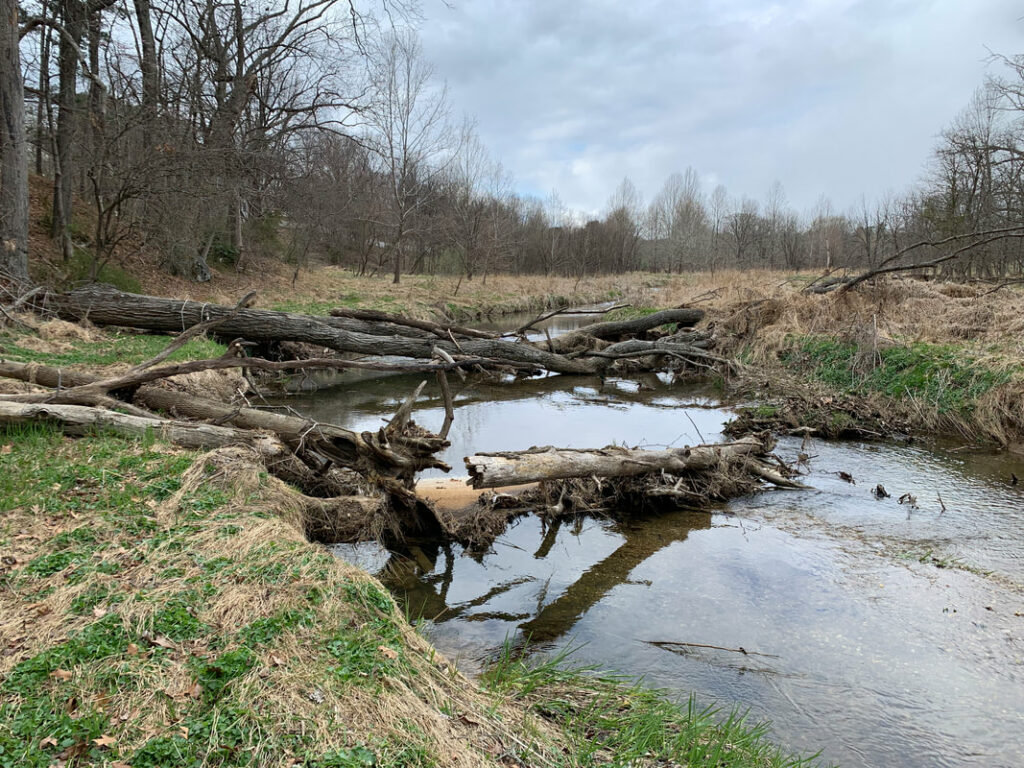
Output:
x=408 y=132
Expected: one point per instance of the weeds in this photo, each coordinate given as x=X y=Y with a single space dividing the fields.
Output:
x=611 y=720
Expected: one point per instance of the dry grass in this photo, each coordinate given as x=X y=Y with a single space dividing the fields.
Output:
x=215 y=559
x=762 y=316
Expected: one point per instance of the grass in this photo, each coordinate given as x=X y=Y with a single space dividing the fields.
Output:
x=97 y=349
x=160 y=610
x=613 y=721
x=943 y=376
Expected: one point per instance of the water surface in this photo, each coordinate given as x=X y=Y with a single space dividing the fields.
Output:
x=881 y=633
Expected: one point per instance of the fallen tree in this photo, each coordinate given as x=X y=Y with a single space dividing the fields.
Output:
x=104 y=305
x=582 y=338
x=490 y=470
x=366 y=480
x=613 y=482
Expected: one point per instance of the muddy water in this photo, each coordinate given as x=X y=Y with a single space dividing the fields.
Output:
x=880 y=633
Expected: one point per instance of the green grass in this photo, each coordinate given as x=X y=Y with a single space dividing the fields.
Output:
x=114 y=348
x=614 y=721
x=944 y=376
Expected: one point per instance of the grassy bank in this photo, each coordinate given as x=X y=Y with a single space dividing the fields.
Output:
x=901 y=355
x=160 y=609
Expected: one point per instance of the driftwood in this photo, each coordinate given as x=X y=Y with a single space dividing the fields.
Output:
x=490 y=470
x=312 y=452
x=613 y=482
x=357 y=483
x=435 y=329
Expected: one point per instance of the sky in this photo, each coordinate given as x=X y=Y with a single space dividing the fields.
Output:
x=837 y=98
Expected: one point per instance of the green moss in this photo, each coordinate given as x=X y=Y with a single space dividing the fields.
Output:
x=629 y=313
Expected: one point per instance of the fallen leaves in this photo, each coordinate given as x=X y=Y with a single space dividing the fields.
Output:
x=105 y=741
x=61 y=674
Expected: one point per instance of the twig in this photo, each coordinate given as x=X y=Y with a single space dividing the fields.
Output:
x=665 y=644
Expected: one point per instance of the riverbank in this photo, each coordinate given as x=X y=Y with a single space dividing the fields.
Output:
x=162 y=607
x=900 y=355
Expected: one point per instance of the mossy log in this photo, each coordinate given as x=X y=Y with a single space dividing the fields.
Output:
x=583 y=337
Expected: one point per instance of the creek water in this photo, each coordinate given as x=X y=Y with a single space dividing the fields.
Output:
x=880 y=633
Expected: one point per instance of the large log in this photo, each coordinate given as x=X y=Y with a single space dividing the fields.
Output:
x=490 y=470
x=396 y=455
x=81 y=419
x=104 y=305
x=616 y=329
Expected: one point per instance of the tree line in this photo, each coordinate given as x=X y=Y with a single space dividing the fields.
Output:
x=212 y=131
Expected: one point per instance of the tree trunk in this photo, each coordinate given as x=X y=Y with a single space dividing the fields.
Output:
x=82 y=420
x=149 y=66
x=618 y=328
x=491 y=470
x=74 y=18
x=106 y=306
x=13 y=153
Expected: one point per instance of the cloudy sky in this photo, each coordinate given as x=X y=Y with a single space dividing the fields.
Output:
x=841 y=98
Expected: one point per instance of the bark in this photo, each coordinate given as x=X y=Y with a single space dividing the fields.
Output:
x=434 y=329
x=618 y=328
x=491 y=470
x=107 y=306
x=81 y=419
x=149 y=66
x=396 y=456
x=13 y=153
x=333 y=518
x=73 y=17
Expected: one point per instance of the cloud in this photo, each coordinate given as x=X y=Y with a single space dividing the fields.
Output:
x=834 y=97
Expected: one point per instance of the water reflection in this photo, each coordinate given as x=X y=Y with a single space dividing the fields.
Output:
x=424 y=586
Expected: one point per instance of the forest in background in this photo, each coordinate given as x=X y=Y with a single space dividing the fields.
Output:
x=209 y=132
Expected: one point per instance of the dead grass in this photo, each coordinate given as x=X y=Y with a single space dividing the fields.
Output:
x=190 y=585
x=763 y=316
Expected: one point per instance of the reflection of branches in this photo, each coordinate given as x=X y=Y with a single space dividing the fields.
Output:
x=558 y=617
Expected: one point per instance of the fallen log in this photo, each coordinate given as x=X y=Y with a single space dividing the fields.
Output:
x=434 y=329
x=389 y=458
x=82 y=419
x=104 y=305
x=490 y=470
x=616 y=329
x=634 y=348
x=612 y=482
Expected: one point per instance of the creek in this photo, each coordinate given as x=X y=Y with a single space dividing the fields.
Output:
x=880 y=633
